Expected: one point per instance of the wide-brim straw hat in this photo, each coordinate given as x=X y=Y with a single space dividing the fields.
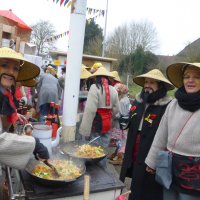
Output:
x=27 y=71
x=101 y=71
x=85 y=74
x=154 y=74
x=96 y=65
x=175 y=72
x=84 y=66
x=29 y=83
x=116 y=76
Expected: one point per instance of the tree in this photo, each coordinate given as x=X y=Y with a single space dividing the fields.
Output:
x=138 y=62
x=42 y=30
x=127 y=37
x=93 y=35
x=94 y=46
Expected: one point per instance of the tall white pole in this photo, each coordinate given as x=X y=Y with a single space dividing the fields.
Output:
x=73 y=68
x=105 y=27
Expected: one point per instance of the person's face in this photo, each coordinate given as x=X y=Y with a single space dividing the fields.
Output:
x=9 y=70
x=191 y=80
x=150 y=85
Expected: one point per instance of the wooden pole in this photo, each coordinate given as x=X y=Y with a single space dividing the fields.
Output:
x=86 y=192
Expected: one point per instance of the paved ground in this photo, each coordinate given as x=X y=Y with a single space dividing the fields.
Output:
x=118 y=169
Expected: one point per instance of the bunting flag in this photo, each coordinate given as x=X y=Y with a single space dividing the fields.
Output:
x=61 y=2
x=55 y=37
x=66 y=1
x=102 y=13
x=90 y=11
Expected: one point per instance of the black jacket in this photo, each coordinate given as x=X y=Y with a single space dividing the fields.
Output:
x=143 y=184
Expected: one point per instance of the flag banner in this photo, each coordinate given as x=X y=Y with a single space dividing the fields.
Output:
x=61 y=2
x=55 y=37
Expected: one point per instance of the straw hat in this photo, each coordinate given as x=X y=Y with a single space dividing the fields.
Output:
x=116 y=76
x=175 y=72
x=97 y=65
x=27 y=71
x=29 y=83
x=154 y=74
x=102 y=71
x=84 y=66
x=85 y=74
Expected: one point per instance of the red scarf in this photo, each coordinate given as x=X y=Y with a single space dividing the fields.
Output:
x=106 y=89
x=12 y=118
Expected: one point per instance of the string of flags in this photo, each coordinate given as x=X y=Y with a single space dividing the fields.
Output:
x=51 y=39
x=89 y=11
x=63 y=2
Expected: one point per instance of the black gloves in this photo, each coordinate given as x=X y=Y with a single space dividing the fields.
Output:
x=40 y=150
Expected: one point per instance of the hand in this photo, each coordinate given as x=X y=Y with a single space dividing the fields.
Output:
x=40 y=151
x=22 y=119
x=21 y=103
x=150 y=170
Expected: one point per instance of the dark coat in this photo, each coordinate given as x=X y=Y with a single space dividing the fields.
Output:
x=143 y=184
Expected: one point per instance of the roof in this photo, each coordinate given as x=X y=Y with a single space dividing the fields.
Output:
x=63 y=53
x=10 y=15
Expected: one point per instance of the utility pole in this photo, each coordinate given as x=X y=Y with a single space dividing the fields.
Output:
x=105 y=27
x=73 y=68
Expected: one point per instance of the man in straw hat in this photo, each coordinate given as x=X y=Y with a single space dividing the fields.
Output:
x=178 y=132
x=15 y=150
x=102 y=103
x=145 y=115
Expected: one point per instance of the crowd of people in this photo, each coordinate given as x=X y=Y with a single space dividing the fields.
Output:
x=154 y=122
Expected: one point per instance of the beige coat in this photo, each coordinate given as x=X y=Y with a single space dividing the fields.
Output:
x=170 y=127
x=96 y=100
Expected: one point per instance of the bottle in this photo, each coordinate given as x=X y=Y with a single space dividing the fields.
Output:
x=49 y=118
x=56 y=121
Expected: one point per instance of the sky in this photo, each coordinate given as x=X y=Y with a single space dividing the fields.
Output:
x=176 y=21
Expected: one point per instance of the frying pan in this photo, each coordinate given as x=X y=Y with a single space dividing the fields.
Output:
x=70 y=149
x=32 y=163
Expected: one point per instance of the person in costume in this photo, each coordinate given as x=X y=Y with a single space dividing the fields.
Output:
x=15 y=150
x=178 y=133
x=145 y=115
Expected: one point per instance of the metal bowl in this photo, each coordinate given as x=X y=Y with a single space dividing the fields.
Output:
x=70 y=149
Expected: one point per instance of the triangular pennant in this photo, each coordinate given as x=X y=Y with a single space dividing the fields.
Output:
x=57 y=1
x=69 y=4
x=66 y=1
x=61 y=2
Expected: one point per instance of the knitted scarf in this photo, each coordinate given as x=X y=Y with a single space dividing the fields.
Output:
x=188 y=101
x=106 y=89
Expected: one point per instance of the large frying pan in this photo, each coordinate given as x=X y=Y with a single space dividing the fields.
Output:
x=32 y=163
x=70 y=149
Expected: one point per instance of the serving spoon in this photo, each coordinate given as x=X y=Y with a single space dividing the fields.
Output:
x=46 y=162
x=93 y=140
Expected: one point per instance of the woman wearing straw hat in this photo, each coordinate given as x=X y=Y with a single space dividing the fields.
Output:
x=178 y=132
x=15 y=150
x=102 y=103
x=145 y=115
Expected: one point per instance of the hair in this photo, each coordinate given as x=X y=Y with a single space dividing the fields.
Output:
x=99 y=82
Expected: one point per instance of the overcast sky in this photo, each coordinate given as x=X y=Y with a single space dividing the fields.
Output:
x=176 y=21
